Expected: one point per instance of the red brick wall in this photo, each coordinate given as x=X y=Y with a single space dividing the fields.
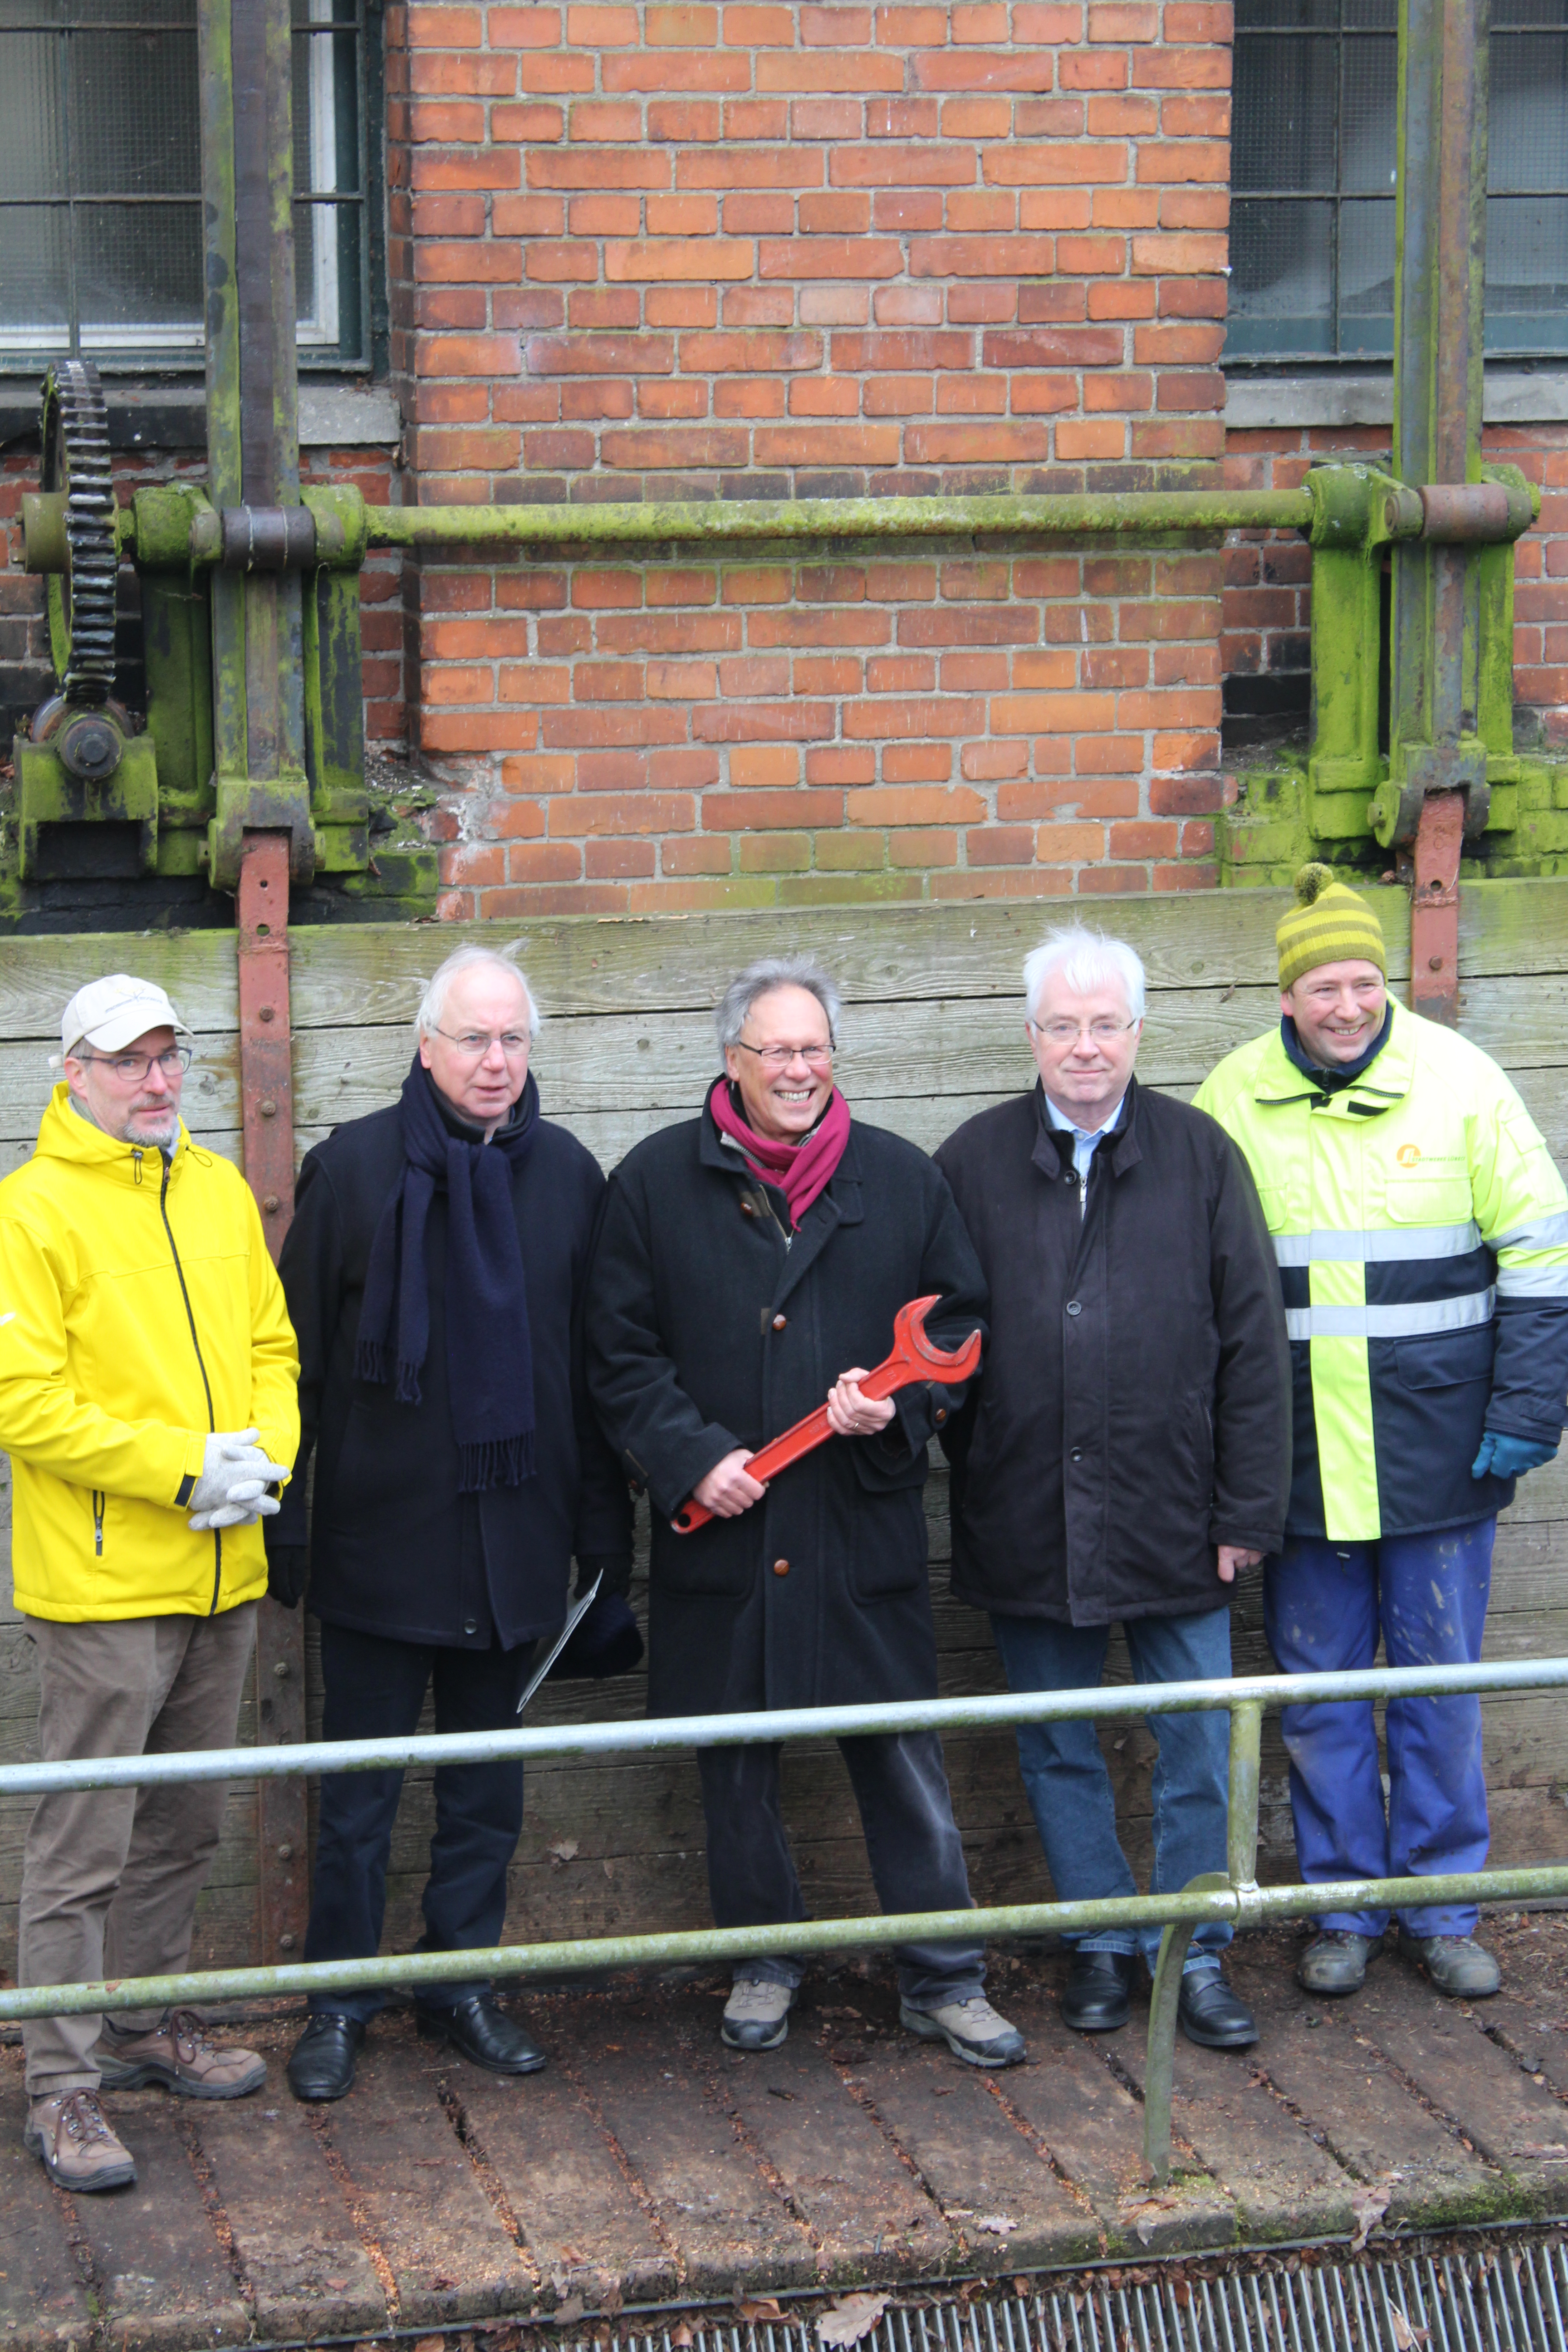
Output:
x=782 y=251
x=1267 y=597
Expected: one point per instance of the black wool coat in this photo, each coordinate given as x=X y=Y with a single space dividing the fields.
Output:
x=1134 y=1410
x=710 y=1327
x=396 y=1550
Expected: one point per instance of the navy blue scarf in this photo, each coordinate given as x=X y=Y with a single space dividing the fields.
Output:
x=489 y=1362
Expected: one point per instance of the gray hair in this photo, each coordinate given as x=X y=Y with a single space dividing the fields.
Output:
x=470 y=958
x=1087 y=961
x=759 y=979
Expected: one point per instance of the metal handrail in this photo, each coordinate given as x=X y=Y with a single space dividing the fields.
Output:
x=1233 y=1895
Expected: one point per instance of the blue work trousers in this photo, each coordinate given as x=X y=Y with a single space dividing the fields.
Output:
x=1324 y=1606
x=1069 y=1788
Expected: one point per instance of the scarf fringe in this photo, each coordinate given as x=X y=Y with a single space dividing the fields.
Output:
x=497 y=1461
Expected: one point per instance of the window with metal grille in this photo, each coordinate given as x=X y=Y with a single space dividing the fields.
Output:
x=1313 y=161
x=100 y=174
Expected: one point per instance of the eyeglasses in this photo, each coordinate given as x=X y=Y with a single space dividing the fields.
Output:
x=1068 y=1032
x=473 y=1044
x=779 y=1058
x=131 y=1069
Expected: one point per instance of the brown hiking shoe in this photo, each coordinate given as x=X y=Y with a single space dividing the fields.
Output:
x=180 y=2057
x=73 y=2137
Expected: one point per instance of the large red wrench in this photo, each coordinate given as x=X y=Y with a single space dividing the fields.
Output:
x=914 y=1358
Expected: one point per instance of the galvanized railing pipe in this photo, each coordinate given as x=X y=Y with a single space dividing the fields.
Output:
x=981 y=1714
x=630 y=522
x=1233 y=1898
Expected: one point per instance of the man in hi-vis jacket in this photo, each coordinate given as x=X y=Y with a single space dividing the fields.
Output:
x=1421 y=1233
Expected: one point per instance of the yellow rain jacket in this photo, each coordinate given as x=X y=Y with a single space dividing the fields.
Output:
x=1421 y=1233
x=139 y=1311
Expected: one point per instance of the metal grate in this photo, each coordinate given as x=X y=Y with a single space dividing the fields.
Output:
x=1512 y=2299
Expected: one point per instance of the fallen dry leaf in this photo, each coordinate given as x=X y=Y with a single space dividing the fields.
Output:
x=852 y=2316
x=1405 y=2337
x=1368 y=2207
x=682 y=2337
x=1547 y=2150
x=763 y=2308
x=565 y=2312
x=431 y=2343
x=999 y=2225
x=564 y=1852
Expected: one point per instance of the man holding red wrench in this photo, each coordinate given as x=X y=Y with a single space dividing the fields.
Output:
x=750 y=1262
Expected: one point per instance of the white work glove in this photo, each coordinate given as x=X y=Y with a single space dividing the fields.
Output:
x=232 y=1489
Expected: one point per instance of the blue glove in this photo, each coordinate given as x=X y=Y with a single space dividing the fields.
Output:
x=1510 y=1457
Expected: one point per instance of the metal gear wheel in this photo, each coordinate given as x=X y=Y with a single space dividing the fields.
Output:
x=81 y=600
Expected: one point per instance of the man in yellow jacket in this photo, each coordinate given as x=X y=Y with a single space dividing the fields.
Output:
x=147 y=1399
x=1421 y=1233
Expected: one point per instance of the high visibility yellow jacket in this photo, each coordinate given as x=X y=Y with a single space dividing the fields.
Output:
x=139 y=1311
x=1421 y=1232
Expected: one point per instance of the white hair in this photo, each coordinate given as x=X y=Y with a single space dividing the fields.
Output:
x=1087 y=961
x=759 y=979
x=470 y=958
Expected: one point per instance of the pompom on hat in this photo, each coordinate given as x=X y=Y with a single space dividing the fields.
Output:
x=1328 y=924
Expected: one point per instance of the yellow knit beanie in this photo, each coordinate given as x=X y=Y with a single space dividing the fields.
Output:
x=1328 y=924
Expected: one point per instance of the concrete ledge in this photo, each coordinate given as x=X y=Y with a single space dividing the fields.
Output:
x=173 y=415
x=1271 y=403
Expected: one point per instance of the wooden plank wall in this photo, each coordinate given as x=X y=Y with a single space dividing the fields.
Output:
x=932 y=1033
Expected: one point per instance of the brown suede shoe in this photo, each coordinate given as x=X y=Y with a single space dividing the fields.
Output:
x=180 y=2057
x=77 y=2148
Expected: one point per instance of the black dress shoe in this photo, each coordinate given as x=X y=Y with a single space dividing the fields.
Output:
x=1100 y=1991
x=322 y=2065
x=1211 y=2014
x=485 y=2035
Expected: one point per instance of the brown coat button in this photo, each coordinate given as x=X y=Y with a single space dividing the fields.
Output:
x=747 y=1209
x=779 y=1322
x=941 y=1413
x=780 y=1567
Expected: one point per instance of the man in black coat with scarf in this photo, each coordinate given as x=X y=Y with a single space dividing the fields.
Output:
x=1128 y=1450
x=750 y=1263
x=435 y=1272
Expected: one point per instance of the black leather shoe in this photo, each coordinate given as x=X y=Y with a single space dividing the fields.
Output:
x=1211 y=2014
x=322 y=2063
x=485 y=2035
x=1100 y=1991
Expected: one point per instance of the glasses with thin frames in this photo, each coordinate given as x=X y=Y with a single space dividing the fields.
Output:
x=779 y=1058
x=131 y=1069
x=1068 y=1032
x=473 y=1044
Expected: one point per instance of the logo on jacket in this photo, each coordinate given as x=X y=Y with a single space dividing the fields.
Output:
x=1408 y=1154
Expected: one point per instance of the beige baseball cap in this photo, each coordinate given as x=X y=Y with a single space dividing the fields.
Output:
x=111 y=1014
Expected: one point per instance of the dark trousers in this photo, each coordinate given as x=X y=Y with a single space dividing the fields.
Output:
x=373 y=1689
x=917 y=1859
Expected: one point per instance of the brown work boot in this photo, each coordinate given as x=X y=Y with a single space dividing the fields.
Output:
x=180 y=2057
x=79 y=2149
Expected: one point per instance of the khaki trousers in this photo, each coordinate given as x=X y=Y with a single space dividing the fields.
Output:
x=111 y=1876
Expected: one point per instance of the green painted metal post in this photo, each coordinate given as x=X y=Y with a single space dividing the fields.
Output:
x=1239 y=1877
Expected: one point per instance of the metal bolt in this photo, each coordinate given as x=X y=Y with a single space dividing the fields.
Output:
x=281 y=1670
x=268 y=1011
x=285 y=1943
x=268 y=1110
x=1434 y=963
x=270 y=1203
x=285 y=1853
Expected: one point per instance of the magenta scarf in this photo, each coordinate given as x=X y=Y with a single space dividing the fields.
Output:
x=800 y=1170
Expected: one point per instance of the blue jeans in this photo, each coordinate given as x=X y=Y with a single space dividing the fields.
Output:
x=1069 y=1788
x=1324 y=1605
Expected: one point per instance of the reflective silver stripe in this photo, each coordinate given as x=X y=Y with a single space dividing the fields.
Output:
x=1420 y=1321
x=1547 y=1232
x=1384 y=1247
x=1533 y=1282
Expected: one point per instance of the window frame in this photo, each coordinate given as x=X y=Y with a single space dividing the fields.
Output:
x=139 y=351
x=1365 y=359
